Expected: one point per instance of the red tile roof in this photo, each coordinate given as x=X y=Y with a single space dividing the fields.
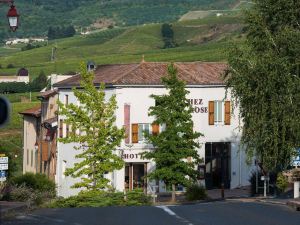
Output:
x=150 y=73
x=35 y=111
x=47 y=94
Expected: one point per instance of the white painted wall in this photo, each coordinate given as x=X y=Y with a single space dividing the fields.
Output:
x=139 y=100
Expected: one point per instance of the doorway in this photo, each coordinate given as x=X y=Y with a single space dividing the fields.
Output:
x=217 y=165
x=135 y=176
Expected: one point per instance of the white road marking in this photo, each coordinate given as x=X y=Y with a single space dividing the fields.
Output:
x=171 y=213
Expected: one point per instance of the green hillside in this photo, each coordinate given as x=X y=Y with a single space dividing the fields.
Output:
x=38 y=15
x=205 y=39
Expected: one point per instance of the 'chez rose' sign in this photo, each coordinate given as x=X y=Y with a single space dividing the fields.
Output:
x=198 y=105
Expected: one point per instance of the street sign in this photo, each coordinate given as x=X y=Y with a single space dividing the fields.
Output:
x=4 y=166
x=296 y=161
x=3 y=160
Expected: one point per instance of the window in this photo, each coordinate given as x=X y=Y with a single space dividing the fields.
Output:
x=67 y=130
x=143 y=128
x=27 y=156
x=138 y=131
x=66 y=100
x=31 y=158
x=218 y=112
x=61 y=124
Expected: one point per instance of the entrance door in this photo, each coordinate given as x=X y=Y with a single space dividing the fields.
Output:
x=217 y=165
x=134 y=175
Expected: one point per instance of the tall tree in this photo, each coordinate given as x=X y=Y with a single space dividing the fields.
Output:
x=264 y=79
x=168 y=35
x=94 y=133
x=175 y=152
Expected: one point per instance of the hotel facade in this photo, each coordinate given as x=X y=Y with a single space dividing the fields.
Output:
x=214 y=116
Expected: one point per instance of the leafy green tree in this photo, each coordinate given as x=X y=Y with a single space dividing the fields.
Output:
x=39 y=83
x=168 y=35
x=264 y=78
x=98 y=135
x=175 y=153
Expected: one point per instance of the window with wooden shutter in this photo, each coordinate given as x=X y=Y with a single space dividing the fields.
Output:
x=227 y=113
x=155 y=129
x=61 y=128
x=135 y=133
x=211 y=112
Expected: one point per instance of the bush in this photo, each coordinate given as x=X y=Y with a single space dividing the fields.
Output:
x=195 y=192
x=35 y=181
x=281 y=182
x=101 y=199
x=10 y=66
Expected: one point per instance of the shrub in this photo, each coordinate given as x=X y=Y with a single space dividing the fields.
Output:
x=195 y=192
x=35 y=181
x=281 y=182
x=10 y=66
x=101 y=199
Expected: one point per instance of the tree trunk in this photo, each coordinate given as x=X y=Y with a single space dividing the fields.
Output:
x=173 y=193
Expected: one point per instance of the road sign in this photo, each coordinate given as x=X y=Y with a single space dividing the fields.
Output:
x=3 y=160
x=2 y=173
x=4 y=166
x=296 y=161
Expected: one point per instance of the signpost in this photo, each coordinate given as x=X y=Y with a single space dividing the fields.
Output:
x=3 y=167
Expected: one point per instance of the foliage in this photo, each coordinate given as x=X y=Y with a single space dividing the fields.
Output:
x=13 y=87
x=38 y=15
x=178 y=142
x=281 y=182
x=23 y=193
x=195 y=192
x=168 y=35
x=264 y=79
x=127 y=45
x=39 y=82
x=61 y=32
x=30 y=46
x=101 y=199
x=98 y=137
x=35 y=181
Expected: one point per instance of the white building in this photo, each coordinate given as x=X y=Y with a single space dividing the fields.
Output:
x=22 y=76
x=224 y=160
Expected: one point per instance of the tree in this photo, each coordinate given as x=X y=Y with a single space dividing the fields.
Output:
x=98 y=135
x=175 y=152
x=40 y=82
x=168 y=35
x=264 y=79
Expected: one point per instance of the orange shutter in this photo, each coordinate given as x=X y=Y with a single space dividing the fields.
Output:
x=155 y=129
x=227 y=113
x=135 y=133
x=44 y=150
x=211 y=113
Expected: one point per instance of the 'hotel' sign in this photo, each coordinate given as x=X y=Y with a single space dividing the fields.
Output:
x=198 y=105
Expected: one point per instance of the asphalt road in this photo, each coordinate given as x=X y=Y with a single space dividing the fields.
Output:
x=215 y=213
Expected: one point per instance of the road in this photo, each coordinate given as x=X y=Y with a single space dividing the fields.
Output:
x=214 y=213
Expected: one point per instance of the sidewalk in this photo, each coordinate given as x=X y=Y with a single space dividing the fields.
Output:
x=7 y=208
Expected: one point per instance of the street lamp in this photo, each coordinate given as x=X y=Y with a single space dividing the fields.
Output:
x=12 y=15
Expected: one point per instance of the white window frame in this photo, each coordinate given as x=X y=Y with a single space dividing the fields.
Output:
x=143 y=139
x=219 y=112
